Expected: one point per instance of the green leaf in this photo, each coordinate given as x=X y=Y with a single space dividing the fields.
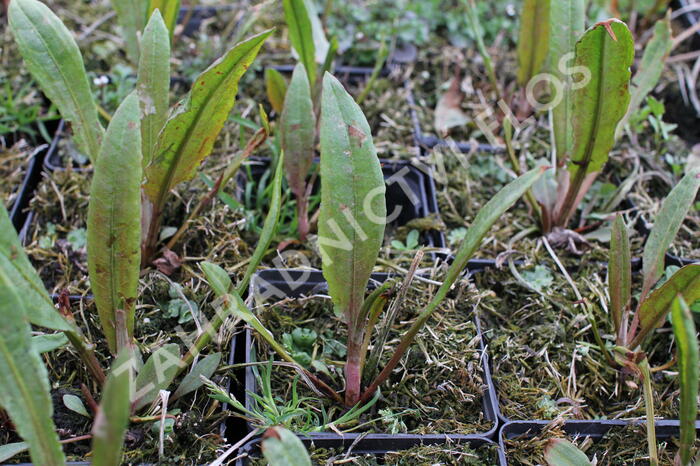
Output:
x=688 y=364
x=53 y=58
x=566 y=22
x=112 y=417
x=533 y=41
x=114 y=223
x=131 y=16
x=298 y=132
x=353 y=208
x=650 y=68
x=561 y=452
x=47 y=343
x=607 y=51
x=169 y=9
x=654 y=309
x=75 y=404
x=24 y=382
x=9 y=450
x=217 y=278
x=15 y=264
x=301 y=35
x=321 y=44
x=269 y=227
x=282 y=448
x=619 y=271
x=276 y=89
x=153 y=83
x=157 y=374
x=192 y=380
x=666 y=225
x=190 y=132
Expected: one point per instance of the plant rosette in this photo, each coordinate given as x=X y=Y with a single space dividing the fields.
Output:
x=440 y=391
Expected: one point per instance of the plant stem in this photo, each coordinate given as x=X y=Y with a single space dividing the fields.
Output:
x=649 y=405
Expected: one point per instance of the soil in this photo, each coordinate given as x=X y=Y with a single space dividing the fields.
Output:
x=438 y=387
x=13 y=167
x=619 y=446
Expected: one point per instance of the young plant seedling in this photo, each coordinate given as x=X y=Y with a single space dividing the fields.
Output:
x=351 y=226
x=653 y=306
x=174 y=142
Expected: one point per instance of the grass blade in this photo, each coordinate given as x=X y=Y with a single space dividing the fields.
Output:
x=113 y=223
x=533 y=41
x=485 y=219
x=688 y=364
x=153 y=83
x=54 y=60
x=567 y=22
x=24 y=382
x=619 y=272
x=666 y=225
x=112 y=417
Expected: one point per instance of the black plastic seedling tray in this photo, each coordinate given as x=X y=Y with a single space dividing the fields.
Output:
x=407 y=188
x=286 y=283
x=593 y=429
x=378 y=445
x=25 y=191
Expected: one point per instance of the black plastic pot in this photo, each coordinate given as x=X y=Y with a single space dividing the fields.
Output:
x=25 y=191
x=198 y=14
x=593 y=429
x=409 y=189
x=432 y=142
x=378 y=445
x=294 y=283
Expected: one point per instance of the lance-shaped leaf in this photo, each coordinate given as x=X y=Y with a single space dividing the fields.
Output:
x=276 y=89
x=650 y=69
x=600 y=100
x=113 y=223
x=193 y=380
x=282 y=448
x=567 y=22
x=112 y=417
x=131 y=15
x=298 y=131
x=619 y=271
x=191 y=130
x=533 y=40
x=688 y=372
x=169 y=10
x=301 y=35
x=653 y=310
x=15 y=264
x=157 y=374
x=561 y=452
x=666 y=225
x=53 y=58
x=353 y=209
x=24 y=382
x=321 y=44
x=153 y=83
